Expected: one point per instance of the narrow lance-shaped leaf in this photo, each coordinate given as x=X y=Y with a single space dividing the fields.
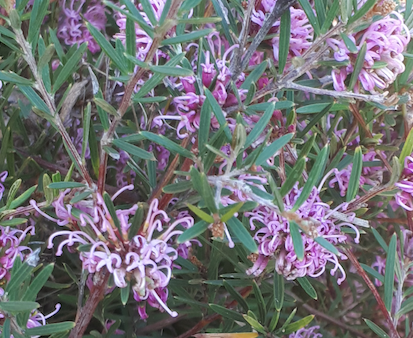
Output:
x=192 y=232
x=260 y=301
x=307 y=287
x=389 y=273
x=354 y=182
x=358 y=66
x=204 y=127
x=201 y=214
x=376 y=329
x=260 y=125
x=271 y=150
x=297 y=240
x=134 y=150
x=299 y=324
x=167 y=143
x=237 y=228
x=284 y=46
x=407 y=148
x=69 y=67
x=195 y=35
x=314 y=177
x=217 y=110
x=293 y=177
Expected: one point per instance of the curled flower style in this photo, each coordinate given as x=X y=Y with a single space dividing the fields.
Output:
x=275 y=241
x=72 y=29
x=11 y=241
x=145 y=260
x=36 y=318
x=306 y=333
x=404 y=197
x=369 y=175
x=215 y=66
x=385 y=41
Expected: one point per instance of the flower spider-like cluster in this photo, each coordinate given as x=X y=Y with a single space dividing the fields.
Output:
x=385 y=40
x=404 y=197
x=11 y=247
x=72 y=29
x=306 y=333
x=275 y=241
x=145 y=259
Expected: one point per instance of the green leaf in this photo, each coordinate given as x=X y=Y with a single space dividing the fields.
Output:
x=284 y=43
x=195 y=35
x=167 y=143
x=204 y=127
x=310 y=15
x=407 y=148
x=377 y=330
x=86 y=129
x=274 y=321
x=106 y=106
x=39 y=10
x=227 y=313
x=6 y=328
x=315 y=120
x=293 y=177
x=152 y=99
x=66 y=185
x=134 y=150
x=362 y=11
x=299 y=324
x=307 y=287
x=326 y=245
x=297 y=240
x=192 y=232
x=48 y=193
x=130 y=41
x=358 y=65
x=13 y=222
x=148 y=9
x=177 y=187
x=18 y=277
x=307 y=147
x=112 y=211
x=23 y=197
x=133 y=14
x=34 y=99
x=255 y=75
x=201 y=214
x=14 y=78
x=18 y=306
x=119 y=61
x=49 y=329
x=136 y=221
x=331 y=14
x=46 y=57
x=260 y=125
x=234 y=208
x=238 y=229
x=270 y=150
x=262 y=309
x=171 y=71
x=354 y=182
x=124 y=294
x=389 y=272
x=12 y=192
x=207 y=195
x=58 y=47
x=69 y=68
x=216 y=109
x=314 y=177
x=38 y=282
x=318 y=107
x=372 y=272
x=254 y=324
x=351 y=46
x=236 y=295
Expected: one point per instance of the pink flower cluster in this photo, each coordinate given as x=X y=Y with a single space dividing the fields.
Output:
x=301 y=33
x=11 y=247
x=72 y=29
x=147 y=259
x=275 y=241
x=386 y=40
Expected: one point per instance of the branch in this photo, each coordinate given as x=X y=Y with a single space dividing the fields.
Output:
x=129 y=90
x=379 y=98
x=280 y=7
x=362 y=273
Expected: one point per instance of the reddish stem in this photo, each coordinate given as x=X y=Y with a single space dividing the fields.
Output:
x=382 y=306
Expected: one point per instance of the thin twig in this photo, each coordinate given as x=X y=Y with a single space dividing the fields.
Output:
x=393 y=332
x=326 y=317
x=379 y=98
x=279 y=8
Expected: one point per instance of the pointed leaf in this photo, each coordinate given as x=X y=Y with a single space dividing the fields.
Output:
x=389 y=273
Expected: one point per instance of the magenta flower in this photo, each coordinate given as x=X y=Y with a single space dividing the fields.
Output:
x=72 y=29
x=404 y=197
